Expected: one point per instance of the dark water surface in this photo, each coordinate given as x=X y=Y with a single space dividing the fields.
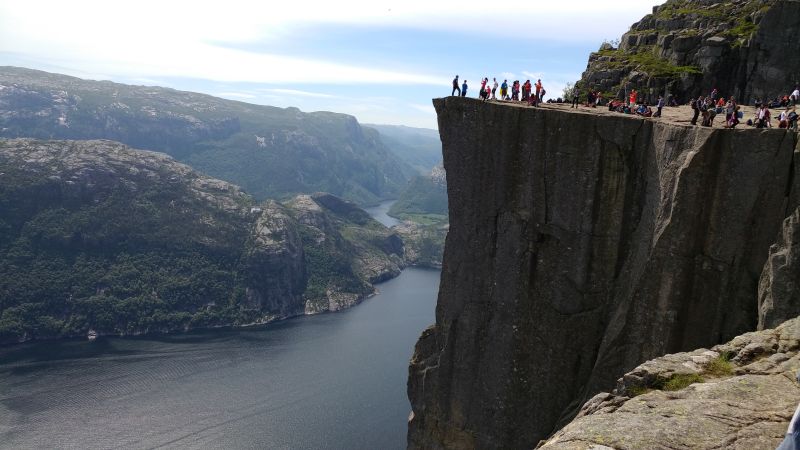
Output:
x=330 y=381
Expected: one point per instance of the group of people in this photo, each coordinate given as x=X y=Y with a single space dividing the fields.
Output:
x=518 y=91
x=710 y=106
x=707 y=107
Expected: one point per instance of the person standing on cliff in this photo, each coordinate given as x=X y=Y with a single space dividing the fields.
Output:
x=695 y=105
x=464 y=89
x=455 y=86
x=795 y=97
x=659 y=105
x=494 y=89
x=539 y=90
x=504 y=90
x=632 y=99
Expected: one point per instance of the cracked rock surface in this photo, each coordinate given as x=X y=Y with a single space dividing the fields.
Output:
x=580 y=246
x=747 y=409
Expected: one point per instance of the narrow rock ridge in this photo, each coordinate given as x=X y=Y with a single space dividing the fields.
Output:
x=580 y=246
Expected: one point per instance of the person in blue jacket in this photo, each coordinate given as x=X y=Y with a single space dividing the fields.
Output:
x=464 y=89
x=792 y=439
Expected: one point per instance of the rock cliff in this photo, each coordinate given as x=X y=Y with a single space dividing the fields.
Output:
x=737 y=395
x=688 y=47
x=581 y=245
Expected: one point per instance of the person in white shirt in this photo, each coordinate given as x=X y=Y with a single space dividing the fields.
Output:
x=795 y=97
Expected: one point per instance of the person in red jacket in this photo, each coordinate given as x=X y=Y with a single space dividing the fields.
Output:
x=632 y=98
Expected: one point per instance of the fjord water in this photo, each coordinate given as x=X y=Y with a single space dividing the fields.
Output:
x=318 y=382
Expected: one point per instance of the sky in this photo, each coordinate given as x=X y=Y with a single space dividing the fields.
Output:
x=379 y=60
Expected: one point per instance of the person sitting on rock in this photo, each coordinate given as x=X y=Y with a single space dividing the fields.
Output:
x=482 y=91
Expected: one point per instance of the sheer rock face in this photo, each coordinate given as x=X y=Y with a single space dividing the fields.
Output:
x=688 y=47
x=778 y=294
x=580 y=246
x=746 y=406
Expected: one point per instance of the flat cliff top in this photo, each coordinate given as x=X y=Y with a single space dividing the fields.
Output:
x=681 y=115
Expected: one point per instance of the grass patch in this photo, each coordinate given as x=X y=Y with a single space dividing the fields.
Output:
x=719 y=367
x=644 y=60
x=680 y=381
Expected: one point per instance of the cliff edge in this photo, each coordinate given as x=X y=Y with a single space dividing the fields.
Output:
x=581 y=245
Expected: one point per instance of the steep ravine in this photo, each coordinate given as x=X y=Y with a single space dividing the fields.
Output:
x=581 y=245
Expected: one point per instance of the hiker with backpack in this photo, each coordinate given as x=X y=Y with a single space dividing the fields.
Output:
x=455 y=86
x=504 y=90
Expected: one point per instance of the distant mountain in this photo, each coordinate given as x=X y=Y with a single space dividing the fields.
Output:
x=419 y=147
x=95 y=235
x=424 y=200
x=423 y=206
x=270 y=152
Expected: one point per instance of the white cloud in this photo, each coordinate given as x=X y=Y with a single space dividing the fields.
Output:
x=192 y=39
x=295 y=92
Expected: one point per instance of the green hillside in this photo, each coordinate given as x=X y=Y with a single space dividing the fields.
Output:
x=419 y=147
x=270 y=152
x=95 y=235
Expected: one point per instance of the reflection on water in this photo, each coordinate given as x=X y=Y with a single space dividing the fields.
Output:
x=328 y=381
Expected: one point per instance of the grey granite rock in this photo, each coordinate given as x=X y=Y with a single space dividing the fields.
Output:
x=580 y=246
x=748 y=408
